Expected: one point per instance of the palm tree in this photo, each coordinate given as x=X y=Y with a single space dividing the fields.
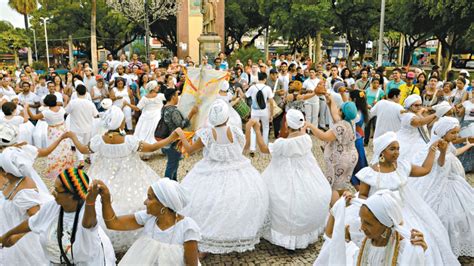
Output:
x=25 y=7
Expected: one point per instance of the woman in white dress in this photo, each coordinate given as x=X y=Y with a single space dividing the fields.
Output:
x=116 y=161
x=25 y=127
x=413 y=134
x=62 y=157
x=388 y=171
x=122 y=95
x=225 y=95
x=387 y=240
x=299 y=191
x=150 y=105
x=227 y=196
x=68 y=225
x=168 y=238
x=446 y=190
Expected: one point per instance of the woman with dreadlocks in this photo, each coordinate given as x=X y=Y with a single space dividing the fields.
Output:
x=67 y=227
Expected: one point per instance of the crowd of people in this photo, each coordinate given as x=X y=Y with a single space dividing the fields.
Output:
x=410 y=204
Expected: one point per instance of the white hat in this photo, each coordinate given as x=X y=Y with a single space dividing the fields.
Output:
x=218 y=113
x=464 y=72
x=295 y=119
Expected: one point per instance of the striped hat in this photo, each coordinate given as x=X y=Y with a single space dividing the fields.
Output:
x=75 y=181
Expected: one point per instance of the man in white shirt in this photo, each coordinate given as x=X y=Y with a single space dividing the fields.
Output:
x=311 y=105
x=81 y=114
x=111 y=62
x=333 y=78
x=262 y=113
x=41 y=88
x=284 y=77
x=89 y=79
x=387 y=113
x=5 y=89
x=119 y=74
x=123 y=62
x=280 y=60
x=27 y=97
x=253 y=77
x=52 y=90
x=153 y=62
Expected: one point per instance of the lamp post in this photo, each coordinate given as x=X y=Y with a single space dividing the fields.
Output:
x=34 y=40
x=382 y=18
x=46 y=39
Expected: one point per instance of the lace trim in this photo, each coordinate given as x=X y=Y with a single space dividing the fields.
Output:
x=221 y=246
x=292 y=241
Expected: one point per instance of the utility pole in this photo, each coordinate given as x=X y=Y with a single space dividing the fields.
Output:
x=147 y=32
x=46 y=39
x=34 y=40
x=382 y=18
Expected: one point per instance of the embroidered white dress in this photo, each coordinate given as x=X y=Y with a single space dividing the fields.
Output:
x=409 y=138
x=91 y=246
x=416 y=212
x=299 y=194
x=148 y=121
x=160 y=247
x=12 y=213
x=227 y=196
x=447 y=192
x=119 y=166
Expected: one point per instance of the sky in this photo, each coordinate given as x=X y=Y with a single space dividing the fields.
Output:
x=10 y=15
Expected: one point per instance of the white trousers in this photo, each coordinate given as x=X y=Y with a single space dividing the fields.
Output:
x=312 y=112
x=83 y=138
x=264 y=118
x=128 y=117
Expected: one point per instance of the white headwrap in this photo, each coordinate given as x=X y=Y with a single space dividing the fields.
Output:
x=295 y=119
x=106 y=103
x=225 y=86
x=151 y=85
x=441 y=128
x=170 y=194
x=218 y=112
x=381 y=143
x=442 y=108
x=411 y=100
x=113 y=118
x=8 y=134
x=78 y=82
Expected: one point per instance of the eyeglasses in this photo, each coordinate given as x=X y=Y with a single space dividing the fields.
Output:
x=417 y=105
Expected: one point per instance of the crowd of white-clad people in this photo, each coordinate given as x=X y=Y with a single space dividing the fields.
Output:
x=409 y=204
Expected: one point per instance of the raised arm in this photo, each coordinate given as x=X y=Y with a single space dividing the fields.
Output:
x=322 y=135
x=417 y=171
x=147 y=147
x=43 y=152
x=336 y=117
x=190 y=149
x=33 y=116
x=464 y=148
x=421 y=121
x=84 y=149
x=89 y=219
x=260 y=142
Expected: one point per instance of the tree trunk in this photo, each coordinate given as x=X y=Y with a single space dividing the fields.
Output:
x=30 y=54
x=71 y=51
x=317 y=50
x=94 y=36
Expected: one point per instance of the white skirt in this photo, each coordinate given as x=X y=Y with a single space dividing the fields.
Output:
x=147 y=251
x=146 y=126
x=40 y=134
x=26 y=131
x=229 y=202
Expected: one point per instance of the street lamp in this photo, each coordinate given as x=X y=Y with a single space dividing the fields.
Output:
x=382 y=18
x=46 y=38
x=34 y=40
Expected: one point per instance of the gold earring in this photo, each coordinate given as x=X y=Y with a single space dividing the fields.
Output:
x=382 y=158
x=384 y=234
x=162 y=211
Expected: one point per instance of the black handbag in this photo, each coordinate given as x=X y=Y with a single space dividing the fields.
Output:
x=162 y=131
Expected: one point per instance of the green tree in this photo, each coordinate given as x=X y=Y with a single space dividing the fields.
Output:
x=13 y=40
x=25 y=7
x=5 y=25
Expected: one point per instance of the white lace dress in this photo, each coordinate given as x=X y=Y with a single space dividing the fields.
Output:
x=409 y=137
x=299 y=194
x=151 y=114
x=416 y=213
x=160 y=247
x=227 y=196
x=12 y=213
x=447 y=192
x=119 y=166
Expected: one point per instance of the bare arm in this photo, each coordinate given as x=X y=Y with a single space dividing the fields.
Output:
x=417 y=171
x=318 y=133
x=190 y=149
x=22 y=228
x=333 y=109
x=260 y=142
x=43 y=152
x=464 y=148
x=33 y=116
x=191 y=253
x=146 y=147
x=364 y=190
x=84 y=149
x=421 y=121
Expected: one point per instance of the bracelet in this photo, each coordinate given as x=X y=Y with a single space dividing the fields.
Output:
x=90 y=204
x=108 y=220
x=140 y=146
x=433 y=148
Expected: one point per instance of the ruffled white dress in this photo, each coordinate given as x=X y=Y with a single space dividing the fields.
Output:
x=119 y=166
x=91 y=247
x=447 y=192
x=25 y=129
x=227 y=196
x=410 y=140
x=151 y=114
x=160 y=247
x=40 y=134
x=416 y=213
x=299 y=194
x=12 y=213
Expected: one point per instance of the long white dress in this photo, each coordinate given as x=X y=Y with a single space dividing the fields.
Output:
x=12 y=213
x=151 y=114
x=299 y=194
x=409 y=137
x=119 y=166
x=447 y=192
x=416 y=213
x=160 y=247
x=25 y=129
x=227 y=196
x=91 y=246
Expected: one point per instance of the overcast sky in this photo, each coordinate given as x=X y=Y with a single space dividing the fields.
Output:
x=10 y=15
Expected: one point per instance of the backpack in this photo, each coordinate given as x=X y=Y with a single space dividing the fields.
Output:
x=261 y=102
x=162 y=131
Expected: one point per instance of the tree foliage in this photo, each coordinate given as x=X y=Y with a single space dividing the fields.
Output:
x=24 y=7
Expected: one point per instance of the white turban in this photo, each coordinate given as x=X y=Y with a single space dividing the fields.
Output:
x=170 y=194
x=106 y=103
x=8 y=134
x=225 y=86
x=11 y=163
x=411 y=100
x=78 y=82
x=381 y=143
x=442 y=108
x=151 y=85
x=295 y=119
x=113 y=118
x=386 y=207
x=441 y=128
x=218 y=113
